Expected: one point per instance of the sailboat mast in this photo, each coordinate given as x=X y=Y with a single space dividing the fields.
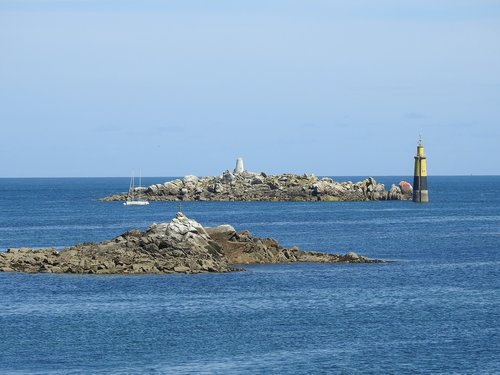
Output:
x=134 y=197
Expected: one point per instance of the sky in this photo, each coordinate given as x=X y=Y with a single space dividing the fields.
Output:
x=336 y=88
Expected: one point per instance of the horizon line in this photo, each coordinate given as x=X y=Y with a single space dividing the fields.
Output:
x=317 y=175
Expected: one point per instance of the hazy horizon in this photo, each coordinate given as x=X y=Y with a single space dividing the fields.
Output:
x=100 y=88
x=184 y=175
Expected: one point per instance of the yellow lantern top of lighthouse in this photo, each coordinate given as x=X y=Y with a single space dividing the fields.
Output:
x=420 y=148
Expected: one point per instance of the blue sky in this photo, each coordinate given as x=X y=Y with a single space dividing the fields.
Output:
x=100 y=88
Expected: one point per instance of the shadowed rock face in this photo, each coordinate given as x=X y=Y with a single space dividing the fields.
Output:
x=180 y=246
x=247 y=186
x=242 y=248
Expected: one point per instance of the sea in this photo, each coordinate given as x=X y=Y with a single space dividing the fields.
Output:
x=435 y=310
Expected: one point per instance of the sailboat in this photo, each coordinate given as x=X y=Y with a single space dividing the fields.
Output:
x=134 y=196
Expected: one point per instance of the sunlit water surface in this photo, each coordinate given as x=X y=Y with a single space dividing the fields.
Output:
x=436 y=310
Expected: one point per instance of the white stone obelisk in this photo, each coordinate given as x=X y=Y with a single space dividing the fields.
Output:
x=239 y=166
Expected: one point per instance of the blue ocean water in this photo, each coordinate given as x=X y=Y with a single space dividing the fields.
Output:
x=436 y=310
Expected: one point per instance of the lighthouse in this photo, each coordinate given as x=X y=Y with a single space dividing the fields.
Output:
x=420 y=192
x=239 y=166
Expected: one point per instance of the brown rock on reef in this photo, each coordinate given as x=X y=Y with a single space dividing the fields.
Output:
x=242 y=248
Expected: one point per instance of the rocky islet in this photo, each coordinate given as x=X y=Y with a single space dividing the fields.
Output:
x=249 y=186
x=179 y=246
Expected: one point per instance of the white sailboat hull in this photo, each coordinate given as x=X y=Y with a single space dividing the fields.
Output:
x=134 y=194
x=136 y=203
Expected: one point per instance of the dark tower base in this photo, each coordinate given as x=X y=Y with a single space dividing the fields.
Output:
x=420 y=192
x=421 y=196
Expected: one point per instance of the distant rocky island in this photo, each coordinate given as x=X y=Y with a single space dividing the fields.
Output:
x=179 y=246
x=241 y=185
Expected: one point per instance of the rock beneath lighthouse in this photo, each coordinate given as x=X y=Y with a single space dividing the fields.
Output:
x=394 y=192
x=402 y=191
x=406 y=188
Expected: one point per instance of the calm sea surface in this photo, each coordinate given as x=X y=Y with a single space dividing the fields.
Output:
x=436 y=310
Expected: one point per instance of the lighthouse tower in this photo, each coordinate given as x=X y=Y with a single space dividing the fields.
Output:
x=239 y=166
x=420 y=192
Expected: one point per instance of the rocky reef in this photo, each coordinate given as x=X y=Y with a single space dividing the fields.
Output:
x=248 y=186
x=179 y=246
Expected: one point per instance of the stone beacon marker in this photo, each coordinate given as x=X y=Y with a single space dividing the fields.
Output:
x=239 y=166
x=420 y=192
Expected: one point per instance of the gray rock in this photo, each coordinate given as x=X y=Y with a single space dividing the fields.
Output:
x=394 y=192
x=352 y=255
x=257 y=180
x=190 y=179
x=228 y=177
x=182 y=269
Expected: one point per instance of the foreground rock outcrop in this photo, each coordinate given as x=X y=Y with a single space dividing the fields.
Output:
x=242 y=248
x=247 y=186
x=180 y=246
